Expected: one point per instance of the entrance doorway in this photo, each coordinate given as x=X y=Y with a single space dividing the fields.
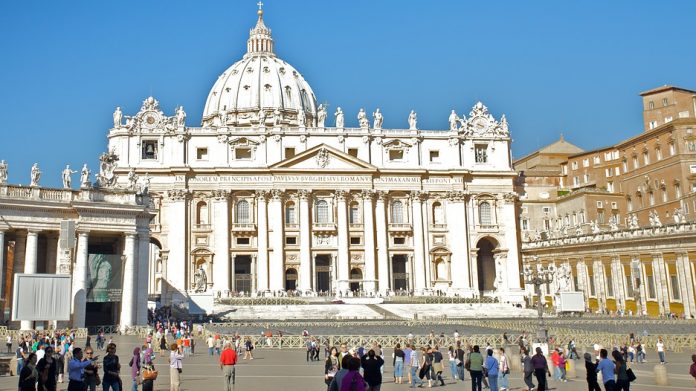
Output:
x=242 y=273
x=322 y=265
x=355 y=279
x=399 y=274
x=290 y=279
x=485 y=264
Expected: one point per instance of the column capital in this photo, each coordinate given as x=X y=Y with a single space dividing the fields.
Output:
x=261 y=195
x=381 y=195
x=220 y=195
x=367 y=194
x=304 y=194
x=457 y=195
x=277 y=194
x=419 y=196
x=130 y=235
x=179 y=194
x=341 y=195
x=33 y=232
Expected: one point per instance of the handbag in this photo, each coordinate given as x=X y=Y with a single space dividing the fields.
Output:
x=97 y=379
x=150 y=374
x=467 y=365
x=631 y=375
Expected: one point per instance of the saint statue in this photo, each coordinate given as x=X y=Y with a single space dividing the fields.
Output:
x=595 y=227
x=35 y=175
x=132 y=179
x=340 y=121
x=301 y=118
x=180 y=116
x=453 y=120
x=3 y=172
x=276 y=117
x=223 y=118
x=613 y=223
x=262 y=118
x=84 y=177
x=655 y=219
x=67 y=177
x=412 y=121
x=378 y=119
x=633 y=221
x=321 y=116
x=200 y=280
x=362 y=119
x=145 y=184
x=678 y=216
x=118 y=117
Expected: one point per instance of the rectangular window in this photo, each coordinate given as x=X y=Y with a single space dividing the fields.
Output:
x=683 y=114
x=610 y=286
x=242 y=153
x=582 y=217
x=547 y=225
x=525 y=224
x=396 y=155
x=677 y=191
x=290 y=214
x=653 y=124
x=597 y=160
x=481 y=152
x=291 y=240
x=585 y=162
x=635 y=162
x=243 y=241
x=575 y=165
x=672 y=149
x=149 y=150
x=434 y=156
x=665 y=101
x=674 y=282
x=576 y=181
x=586 y=178
x=629 y=286
x=353 y=152
x=592 y=286
x=625 y=166
x=399 y=240
x=289 y=152
x=646 y=158
x=658 y=153
x=546 y=209
x=651 y=287
x=600 y=216
x=692 y=168
x=610 y=187
x=355 y=240
x=202 y=153
x=616 y=171
x=354 y=217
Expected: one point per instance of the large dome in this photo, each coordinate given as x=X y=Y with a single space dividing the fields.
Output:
x=260 y=82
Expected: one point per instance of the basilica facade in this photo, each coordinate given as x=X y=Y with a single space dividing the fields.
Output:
x=265 y=197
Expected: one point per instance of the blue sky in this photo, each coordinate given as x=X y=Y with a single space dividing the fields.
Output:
x=551 y=66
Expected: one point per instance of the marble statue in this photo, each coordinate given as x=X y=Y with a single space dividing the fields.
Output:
x=107 y=165
x=262 y=118
x=655 y=219
x=35 y=175
x=412 y=121
x=132 y=179
x=276 y=117
x=453 y=120
x=180 y=116
x=321 y=116
x=200 y=280
x=3 y=172
x=144 y=187
x=223 y=118
x=84 y=177
x=302 y=118
x=679 y=216
x=633 y=221
x=563 y=276
x=378 y=119
x=578 y=230
x=595 y=227
x=613 y=223
x=340 y=120
x=67 y=177
x=118 y=117
x=362 y=119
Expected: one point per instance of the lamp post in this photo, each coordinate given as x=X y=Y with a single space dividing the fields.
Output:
x=539 y=277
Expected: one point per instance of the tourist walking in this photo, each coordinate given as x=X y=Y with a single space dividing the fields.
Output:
x=474 y=364
x=414 y=364
x=452 y=360
x=228 y=360
x=112 y=367
x=47 y=368
x=660 y=345
x=371 y=364
x=163 y=345
x=492 y=369
x=29 y=375
x=426 y=365
x=336 y=382
x=76 y=367
x=352 y=380
x=399 y=358
x=460 y=360
x=175 y=367
x=591 y=367
x=607 y=368
x=562 y=366
x=621 y=370
x=541 y=369
x=438 y=365
x=528 y=370
x=134 y=365
x=249 y=348
x=331 y=366
x=504 y=371
x=90 y=372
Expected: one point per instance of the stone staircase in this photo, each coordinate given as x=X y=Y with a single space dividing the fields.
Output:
x=383 y=312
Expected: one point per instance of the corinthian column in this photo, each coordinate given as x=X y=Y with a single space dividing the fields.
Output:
x=128 y=304
x=143 y=251
x=275 y=267
x=382 y=253
x=221 y=237
x=343 y=255
x=418 y=243
x=262 y=260
x=369 y=233
x=305 y=242
x=30 y=266
x=2 y=263
x=79 y=280
x=457 y=227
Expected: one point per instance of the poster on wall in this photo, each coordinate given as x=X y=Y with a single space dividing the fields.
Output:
x=105 y=278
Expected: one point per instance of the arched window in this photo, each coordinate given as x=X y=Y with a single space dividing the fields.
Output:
x=485 y=213
x=202 y=213
x=354 y=213
x=322 y=211
x=242 y=211
x=397 y=212
x=438 y=214
x=290 y=213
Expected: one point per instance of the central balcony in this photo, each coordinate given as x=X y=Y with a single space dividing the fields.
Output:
x=400 y=227
x=324 y=227
x=243 y=227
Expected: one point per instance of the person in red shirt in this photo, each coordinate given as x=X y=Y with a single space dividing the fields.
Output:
x=228 y=359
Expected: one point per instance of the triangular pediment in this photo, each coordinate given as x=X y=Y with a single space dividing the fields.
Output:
x=325 y=158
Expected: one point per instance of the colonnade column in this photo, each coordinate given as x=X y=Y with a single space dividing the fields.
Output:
x=221 y=230
x=30 y=266
x=129 y=282
x=343 y=254
x=382 y=243
x=660 y=273
x=456 y=224
x=79 y=280
x=262 y=245
x=305 y=243
x=178 y=259
x=277 y=271
x=617 y=278
x=143 y=280
x=686 y=283
x=418 y=243
x=369 y=233
x=2 y=263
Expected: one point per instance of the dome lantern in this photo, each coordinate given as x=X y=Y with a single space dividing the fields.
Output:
x=260 y=40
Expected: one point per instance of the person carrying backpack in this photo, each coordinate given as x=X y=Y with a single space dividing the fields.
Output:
x=352 y=380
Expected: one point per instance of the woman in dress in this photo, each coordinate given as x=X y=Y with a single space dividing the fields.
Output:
x=134 y=365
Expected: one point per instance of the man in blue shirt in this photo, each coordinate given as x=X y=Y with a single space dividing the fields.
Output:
x=491 y=366
x=75 y=370
x=606 y=366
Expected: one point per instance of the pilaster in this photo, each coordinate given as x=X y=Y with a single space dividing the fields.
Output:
x=79 y=280
x=262 y=259
x=457 y=234
x=276 y=269
x=418 y=243
x=382 y=243
x=143 y=257
x=343 y=265
x=305 y=274
x=369 y=235
x=221 y=240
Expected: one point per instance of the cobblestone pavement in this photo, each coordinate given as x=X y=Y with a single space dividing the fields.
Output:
x=287 y=370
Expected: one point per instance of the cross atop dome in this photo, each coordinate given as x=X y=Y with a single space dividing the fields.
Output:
x=260 y=40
